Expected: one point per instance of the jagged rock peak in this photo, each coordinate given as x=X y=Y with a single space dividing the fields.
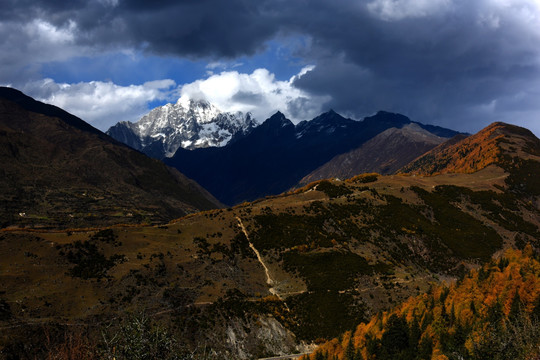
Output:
x=278 y=116
x=331 y=114
x=279 y=120
x=381 y=116
x=328 y=117
x=189 y=123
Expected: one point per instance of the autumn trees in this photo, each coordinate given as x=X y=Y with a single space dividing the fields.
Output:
x=492 y=313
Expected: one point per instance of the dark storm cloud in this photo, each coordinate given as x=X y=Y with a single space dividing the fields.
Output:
x=196 y=28
x=442 y=61
x=448 y=67
x=28 y=9
x=35 y=32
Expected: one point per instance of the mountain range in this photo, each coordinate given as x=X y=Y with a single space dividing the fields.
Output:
x=188 y=124
x=276 y=156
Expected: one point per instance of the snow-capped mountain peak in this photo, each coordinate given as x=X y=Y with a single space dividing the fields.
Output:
x=188 y=123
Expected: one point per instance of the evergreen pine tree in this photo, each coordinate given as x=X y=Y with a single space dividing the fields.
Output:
x=349 y=350
x=516 y=308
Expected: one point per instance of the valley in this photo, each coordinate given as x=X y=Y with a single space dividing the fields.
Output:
x=349 y=248
x=278 y=275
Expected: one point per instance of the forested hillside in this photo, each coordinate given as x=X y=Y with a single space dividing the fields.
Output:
x=491 y=313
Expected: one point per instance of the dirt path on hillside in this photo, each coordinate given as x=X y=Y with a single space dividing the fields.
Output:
x=269 y=279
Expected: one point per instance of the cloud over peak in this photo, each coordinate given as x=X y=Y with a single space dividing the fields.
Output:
x=104 y=103
x=259 y=93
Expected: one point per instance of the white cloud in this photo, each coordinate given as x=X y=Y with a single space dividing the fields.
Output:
x=390 y=10
x=102 y=104
x=259 y=93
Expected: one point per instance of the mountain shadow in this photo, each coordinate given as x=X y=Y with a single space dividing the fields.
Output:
x=57 y=170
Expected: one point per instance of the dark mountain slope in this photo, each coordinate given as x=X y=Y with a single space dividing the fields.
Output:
x=57 y=170
x=384 y=154
x=122 y=132
x=249 y=168
x=37 y=107
x=277 y=154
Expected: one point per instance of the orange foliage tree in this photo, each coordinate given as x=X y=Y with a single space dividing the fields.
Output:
x=492 y=313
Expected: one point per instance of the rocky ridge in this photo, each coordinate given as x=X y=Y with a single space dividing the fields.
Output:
x=189 y=124
x=384 y=154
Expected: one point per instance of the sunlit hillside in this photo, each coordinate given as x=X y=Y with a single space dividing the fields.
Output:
x=491 y=313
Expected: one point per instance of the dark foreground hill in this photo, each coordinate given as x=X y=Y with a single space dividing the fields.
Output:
x=276 y=155
x=268 y=277
x=58 y=171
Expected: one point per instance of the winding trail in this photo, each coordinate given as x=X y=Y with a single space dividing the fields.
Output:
x=269 y=279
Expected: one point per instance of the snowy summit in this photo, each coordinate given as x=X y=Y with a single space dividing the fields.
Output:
x=189 y=124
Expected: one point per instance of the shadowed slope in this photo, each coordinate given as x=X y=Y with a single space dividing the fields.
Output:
x=384 y=154
x=276 y=155
x=56 y=170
